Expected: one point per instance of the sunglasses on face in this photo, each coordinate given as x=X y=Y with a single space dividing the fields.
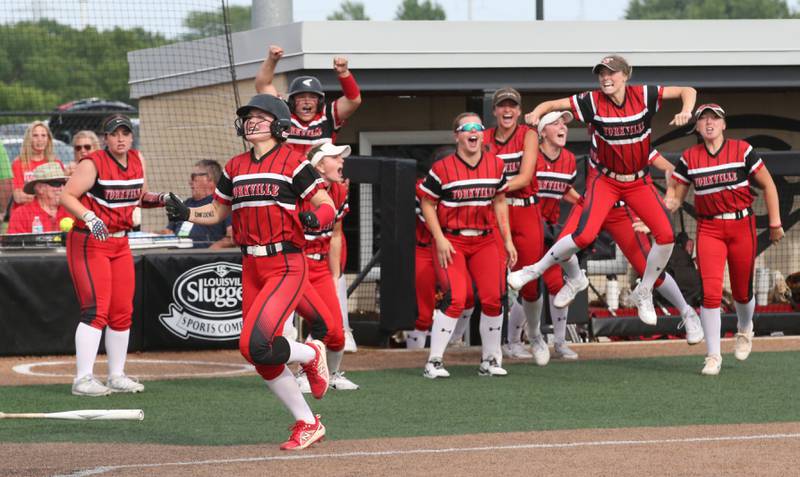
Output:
x=85 y=147
x=195 y=175
x=55 y=183
x=470 y=127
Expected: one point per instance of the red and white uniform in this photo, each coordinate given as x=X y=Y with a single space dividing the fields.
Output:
x=320 y=302
x=424 y=271
x=621 y=151
x=264 y=194
x=524 y=219
x=322 y=128
x=102 y=272
x=464 y=197
x=726 y=229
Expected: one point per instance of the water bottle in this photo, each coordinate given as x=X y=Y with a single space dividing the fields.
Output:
x=37 y=227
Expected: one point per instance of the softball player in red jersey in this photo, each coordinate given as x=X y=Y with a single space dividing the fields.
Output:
x=721 y=171
x=464 y=196
x=619 y=118
x=263 y=188
x=517 y=146
x=103 y=191
x=313 y=121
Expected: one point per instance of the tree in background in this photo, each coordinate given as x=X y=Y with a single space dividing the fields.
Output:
x=349 y=11
x=205 y=24
x=413 y=10
x=707 y=9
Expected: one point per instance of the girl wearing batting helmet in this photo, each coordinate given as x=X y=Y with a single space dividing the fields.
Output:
x=722 y=171
x=263 y=188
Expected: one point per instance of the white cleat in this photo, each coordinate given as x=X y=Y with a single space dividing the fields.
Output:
x=434 y=368
x=124 y=384
x=642 y=297
x=521 y=277
x=562 y=351
x=570 y=290
x=712 y=366
x=340 y=383
x=89 y=386
x=516 y=350
x=349 y=342
x=541 y=353
x=744 y=344
x=302 y=382
x=490 y=367
x=691 y=323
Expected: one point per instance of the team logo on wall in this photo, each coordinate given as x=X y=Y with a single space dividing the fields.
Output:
x=207 y=303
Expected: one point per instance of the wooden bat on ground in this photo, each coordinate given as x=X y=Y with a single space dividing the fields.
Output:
x=82 y=415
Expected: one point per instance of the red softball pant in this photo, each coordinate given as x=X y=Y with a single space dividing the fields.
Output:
x=319 y=306
x=476 y=259
x=271 y=290
x=103 y=278
x=733 y=241
x=425 y=274
x=640 y=195
x=527 y=233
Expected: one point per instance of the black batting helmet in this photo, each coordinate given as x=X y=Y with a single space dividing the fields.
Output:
x=306 y=84
x=272 y=105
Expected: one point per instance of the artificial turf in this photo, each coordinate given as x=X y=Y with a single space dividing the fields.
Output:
x=667 y=391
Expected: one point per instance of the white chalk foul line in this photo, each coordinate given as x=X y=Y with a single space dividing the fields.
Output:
x=563 y=445
x=234 y=368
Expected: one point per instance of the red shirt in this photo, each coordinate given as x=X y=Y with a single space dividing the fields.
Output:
x=555 y=178
x=722 y=180
x=22 y=219
x=116 y=190
x=620 y=134
x=322 y=128
x=264 y=194
x=24 y=174
x=319 y=241
x=464 y=193
x=424 y=237
x=511 y=151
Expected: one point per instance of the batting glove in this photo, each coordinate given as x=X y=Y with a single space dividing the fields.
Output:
x=176 y=209
x=96 y=226
x=309 y=220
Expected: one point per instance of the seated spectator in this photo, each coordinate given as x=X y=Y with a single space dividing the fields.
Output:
x=37 y=149
x=83 y=143
x=45 y=187
x=203 y=181
x=5 y=184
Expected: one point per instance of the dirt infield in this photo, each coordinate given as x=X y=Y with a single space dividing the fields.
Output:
x=755 y=449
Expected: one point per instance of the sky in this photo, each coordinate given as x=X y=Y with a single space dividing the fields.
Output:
x=166 y=16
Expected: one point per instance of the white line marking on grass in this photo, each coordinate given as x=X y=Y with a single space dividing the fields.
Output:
x=563 y=445
x=235 y=368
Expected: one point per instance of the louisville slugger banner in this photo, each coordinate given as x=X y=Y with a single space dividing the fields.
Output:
x=207 y=303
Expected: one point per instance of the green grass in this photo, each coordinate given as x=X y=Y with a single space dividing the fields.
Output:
x=400 y=403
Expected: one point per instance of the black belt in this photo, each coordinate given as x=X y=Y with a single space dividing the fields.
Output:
x=270 y=249
x=468 y=232
x=319 y=257
x=423 y=244
x=522 y=202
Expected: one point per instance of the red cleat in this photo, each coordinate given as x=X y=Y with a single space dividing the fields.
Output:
x=304 y=435
x=317 y=370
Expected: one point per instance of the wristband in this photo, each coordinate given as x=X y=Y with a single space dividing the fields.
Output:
x=152 y=200
x=349 y=86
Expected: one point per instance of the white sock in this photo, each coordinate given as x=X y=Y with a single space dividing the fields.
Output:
x=744 y=315
x=533 y=313
x=441 y=331
x=516 y=323
x=117 y=350
x=334 y=359
x=415 y=339
x=669 y=290
x=561 y=252
x=656 y=262
x=289 y=329
x=288 y=392
x=572 y=268
x=342 y=289
x=462 y=325
x=559 y=318
x=712 y=327
x=491 y=328
x=87 y=341
x=300 y=353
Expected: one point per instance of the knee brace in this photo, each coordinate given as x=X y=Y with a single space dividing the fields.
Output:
x=269 y=353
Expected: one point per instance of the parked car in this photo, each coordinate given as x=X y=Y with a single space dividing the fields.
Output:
x=69 y=118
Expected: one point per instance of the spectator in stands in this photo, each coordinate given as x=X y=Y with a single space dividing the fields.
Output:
x=203 y=181
x=37 y=149
x=83 y=143
x=45 y=186
x=5 y=183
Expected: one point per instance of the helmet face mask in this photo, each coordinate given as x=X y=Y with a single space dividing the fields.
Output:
x=272 y=105
x=306 y=84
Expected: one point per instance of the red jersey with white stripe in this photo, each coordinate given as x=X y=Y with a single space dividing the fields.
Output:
x=116 y=190
x=620 y=134
x=510 y=151
x=423 y=235
x=464 y=193
x=322 y=128
x=721 y=180
x=319 y=241
x=555 y=178
x=264 y=194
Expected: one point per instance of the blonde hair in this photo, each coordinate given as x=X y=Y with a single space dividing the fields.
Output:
x=26 y=153
x=89 y=135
